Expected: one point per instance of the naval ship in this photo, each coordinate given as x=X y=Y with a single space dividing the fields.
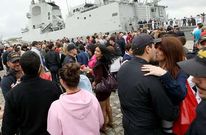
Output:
x=45 y=21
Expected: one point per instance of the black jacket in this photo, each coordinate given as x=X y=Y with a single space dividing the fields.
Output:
x=27 y=105
x=52 y=61
x=199 y=124
x=8 y=80
x=143 y=100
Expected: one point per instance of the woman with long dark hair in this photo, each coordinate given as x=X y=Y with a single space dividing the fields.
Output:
x=101 y=69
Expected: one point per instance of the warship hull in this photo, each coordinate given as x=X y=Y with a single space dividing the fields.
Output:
x=112 y=17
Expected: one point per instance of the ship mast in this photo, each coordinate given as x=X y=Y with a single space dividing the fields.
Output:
x=68 y=8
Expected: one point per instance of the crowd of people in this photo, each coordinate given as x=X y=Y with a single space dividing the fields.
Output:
x=50 y=87
x=153 y=24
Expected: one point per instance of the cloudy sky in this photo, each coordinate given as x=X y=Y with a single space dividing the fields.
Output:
x=13 y=12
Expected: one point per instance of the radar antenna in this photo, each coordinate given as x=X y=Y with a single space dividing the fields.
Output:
x=151 y=1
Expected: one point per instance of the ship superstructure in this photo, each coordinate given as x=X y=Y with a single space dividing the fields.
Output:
x=46 y=23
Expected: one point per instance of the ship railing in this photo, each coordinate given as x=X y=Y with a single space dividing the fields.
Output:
x=58 y=23
x=150 y=25
x=58 y=26
x=58 y=19
x=88 y=9
x=159 y=25
x=87 y=5
x=46 y=28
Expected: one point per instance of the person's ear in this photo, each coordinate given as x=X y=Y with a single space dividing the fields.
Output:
x=63 y=83
x=147 y=49
x=8 y=63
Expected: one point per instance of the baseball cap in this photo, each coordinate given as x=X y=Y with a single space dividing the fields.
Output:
x=196 y=66
x=71 y=46
x=13 y=56
x=141 y=41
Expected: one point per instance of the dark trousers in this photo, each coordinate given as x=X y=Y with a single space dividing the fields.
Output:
x=55 y=77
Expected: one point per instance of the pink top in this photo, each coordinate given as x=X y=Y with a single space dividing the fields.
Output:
x=75 y=114
x=92 y=62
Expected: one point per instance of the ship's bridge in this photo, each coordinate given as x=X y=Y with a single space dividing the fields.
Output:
x=45 y=16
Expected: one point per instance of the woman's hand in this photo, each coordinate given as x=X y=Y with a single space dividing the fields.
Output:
x=93 y=85
x=153 y=70
x=85 y=69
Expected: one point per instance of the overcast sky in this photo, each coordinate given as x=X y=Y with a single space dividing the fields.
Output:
x=13 y=12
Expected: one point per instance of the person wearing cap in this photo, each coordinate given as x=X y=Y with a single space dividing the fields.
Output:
x=14 y=73
x=27 y=104
x=172 y=77
x=197 y=70
x=71 y=54
x=144 y=102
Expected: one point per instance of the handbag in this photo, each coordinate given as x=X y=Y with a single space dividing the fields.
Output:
x=107 y=84
x=111 y=82
x=187 y=113
x=102 y=86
